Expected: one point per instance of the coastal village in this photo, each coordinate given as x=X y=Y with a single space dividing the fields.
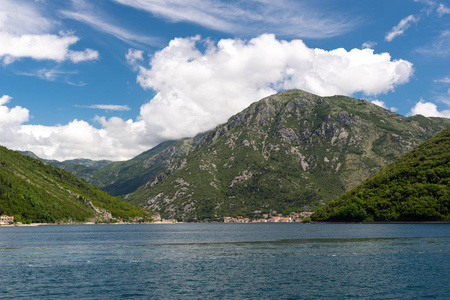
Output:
x=6 y=220
x=271 y=218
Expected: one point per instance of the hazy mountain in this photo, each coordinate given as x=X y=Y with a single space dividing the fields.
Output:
x=416 y=187
x=282 y=153
x=33 y=191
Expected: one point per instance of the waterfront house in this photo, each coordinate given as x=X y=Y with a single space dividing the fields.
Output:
x=4 y=220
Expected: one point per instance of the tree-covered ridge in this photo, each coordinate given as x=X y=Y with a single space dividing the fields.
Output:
x=33 y=191
x=416 y=187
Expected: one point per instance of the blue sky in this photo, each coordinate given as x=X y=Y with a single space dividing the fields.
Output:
x=109 y=79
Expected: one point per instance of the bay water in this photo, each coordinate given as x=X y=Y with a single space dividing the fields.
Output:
x=226 y=261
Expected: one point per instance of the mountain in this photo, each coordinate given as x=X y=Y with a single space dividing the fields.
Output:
x=124 y=177
x=121 y=178
x=416 y=187
x=33 y=191
x=283 y=153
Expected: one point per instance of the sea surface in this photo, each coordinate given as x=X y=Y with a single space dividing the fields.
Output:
x=226 y=261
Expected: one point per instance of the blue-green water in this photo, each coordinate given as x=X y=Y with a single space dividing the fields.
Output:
x=226 y=261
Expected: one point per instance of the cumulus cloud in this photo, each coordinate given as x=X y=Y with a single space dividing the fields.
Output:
x=11 y=118
x=197 y=90
x=401 y=27
x=5 y=99
x=80 y=139
x=428 y=109
x=24 y=32
x=116 y=139
x=382 y=104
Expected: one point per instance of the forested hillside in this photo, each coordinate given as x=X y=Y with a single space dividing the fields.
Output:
x=33 y=191
x=416 y=187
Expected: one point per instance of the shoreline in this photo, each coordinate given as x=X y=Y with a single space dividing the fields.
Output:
x=171 y=222
x=85 y=223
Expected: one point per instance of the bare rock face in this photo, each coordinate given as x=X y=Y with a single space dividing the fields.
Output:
x=282 y=153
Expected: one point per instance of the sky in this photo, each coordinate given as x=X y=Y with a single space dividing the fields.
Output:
x=110 y=79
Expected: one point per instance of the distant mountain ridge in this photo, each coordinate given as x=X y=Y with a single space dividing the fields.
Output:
x=416 y=187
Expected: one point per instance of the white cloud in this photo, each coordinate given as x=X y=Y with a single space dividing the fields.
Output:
x=79 y=56
x=443 y=80
x=428 y=109
x=401 y=27
x=18 y=17
x=439 y=47
x=134 y=56
x=5 y=99
x=369 y=44
x=379 y=103
x=109 y=107
x=10 y=118
x=197 y=90
x=442 y=10
x=85 y=13
x=382 y=104
x=80 y=139
x=24 y=32
x=282 y=17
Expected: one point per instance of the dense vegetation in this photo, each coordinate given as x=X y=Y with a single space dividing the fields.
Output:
x=283 y=153
x=416 y=187
x=33 y=191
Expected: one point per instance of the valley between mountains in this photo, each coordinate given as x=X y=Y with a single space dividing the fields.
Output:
x=288 y=152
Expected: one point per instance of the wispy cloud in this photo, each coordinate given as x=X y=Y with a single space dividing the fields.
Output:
x=53 y=74
x=88 y=14
x=439 y=47
x=107 y=107
x=401 y=27
x=443 y=80
x=442 y=10
x=283 y=17
x=369 y=44
x=133 y=57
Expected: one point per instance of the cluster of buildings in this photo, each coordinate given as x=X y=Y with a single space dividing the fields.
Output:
x=5 y=220
x=266 y=218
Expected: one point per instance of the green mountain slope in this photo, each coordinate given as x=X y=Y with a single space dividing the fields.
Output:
x=287 y=151
x=121 y=178
x=416 y=187
x=33 y=191
x=124 y=177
